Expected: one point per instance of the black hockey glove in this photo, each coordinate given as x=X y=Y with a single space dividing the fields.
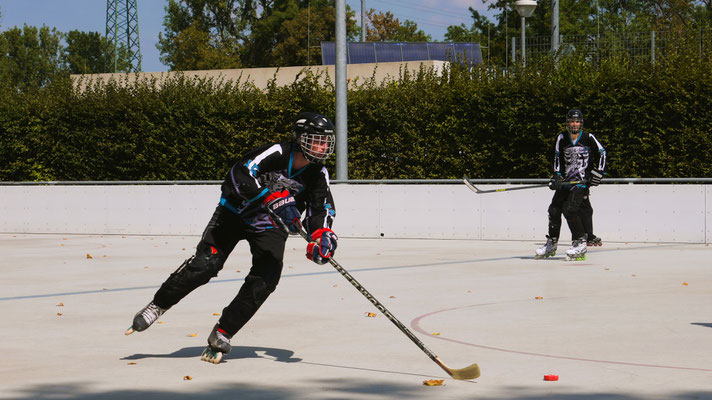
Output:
x=323 y=245
x=283 y=211
x=556 y=182
x=595 y=178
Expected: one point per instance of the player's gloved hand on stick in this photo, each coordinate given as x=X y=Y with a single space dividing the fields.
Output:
x=595 y=178
x=556 y=182
x=322 y=246
x=283 y=211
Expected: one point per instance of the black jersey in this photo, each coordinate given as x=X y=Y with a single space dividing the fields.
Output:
x=268 y=169
x=574 y=160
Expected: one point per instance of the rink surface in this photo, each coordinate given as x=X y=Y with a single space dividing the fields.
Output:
x=633 y=321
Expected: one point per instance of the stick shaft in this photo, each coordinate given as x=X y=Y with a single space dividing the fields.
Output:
x=380 y=307
x=480 y=191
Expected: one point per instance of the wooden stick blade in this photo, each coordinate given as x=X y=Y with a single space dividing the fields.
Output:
x=464 y=374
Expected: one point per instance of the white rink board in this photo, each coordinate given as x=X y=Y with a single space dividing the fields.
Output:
x=622 y=213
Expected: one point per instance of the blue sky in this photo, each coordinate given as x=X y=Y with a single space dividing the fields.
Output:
x=432 y=16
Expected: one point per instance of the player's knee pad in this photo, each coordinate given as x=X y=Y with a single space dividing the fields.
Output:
x=571 y=210
x=258 y=289
x=200 y=268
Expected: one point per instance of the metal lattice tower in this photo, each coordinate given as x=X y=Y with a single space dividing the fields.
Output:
x=122 y=31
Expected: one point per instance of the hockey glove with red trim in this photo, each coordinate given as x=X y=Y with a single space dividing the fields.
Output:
x=283 y=211
x=323 y=245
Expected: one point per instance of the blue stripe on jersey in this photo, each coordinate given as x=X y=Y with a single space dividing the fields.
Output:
x=226 y=204
x=262 y=193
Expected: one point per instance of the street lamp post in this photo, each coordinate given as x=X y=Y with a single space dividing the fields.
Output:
x=525 y=8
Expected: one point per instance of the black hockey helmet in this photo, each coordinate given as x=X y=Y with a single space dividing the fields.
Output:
x=314 y=133
x=572 y=116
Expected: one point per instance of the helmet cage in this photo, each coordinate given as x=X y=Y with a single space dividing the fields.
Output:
x=317 y=147
x=574 y=116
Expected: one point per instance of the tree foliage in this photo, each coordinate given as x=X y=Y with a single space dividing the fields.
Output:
x=201 y=34
x=91 y=53
x=29 y=57
x=385 y=27
x=211 y=34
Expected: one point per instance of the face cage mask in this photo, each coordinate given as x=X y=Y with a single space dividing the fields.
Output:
x=317 y=147
x=571 y=129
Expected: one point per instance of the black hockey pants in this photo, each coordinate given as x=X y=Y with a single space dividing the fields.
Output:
x=223 y=232
x=570 y=203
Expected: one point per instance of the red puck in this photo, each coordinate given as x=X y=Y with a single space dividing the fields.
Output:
x=551 y=377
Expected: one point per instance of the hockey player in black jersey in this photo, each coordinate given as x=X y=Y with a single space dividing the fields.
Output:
x=263 y=197
x=579 y=157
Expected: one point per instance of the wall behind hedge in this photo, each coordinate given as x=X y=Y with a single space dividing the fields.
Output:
x=654 y=120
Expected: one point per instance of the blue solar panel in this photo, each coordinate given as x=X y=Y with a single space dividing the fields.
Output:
x=388 y=52
x=357 y=51
x=440 y=51
x=415 y=52
x=370 y=52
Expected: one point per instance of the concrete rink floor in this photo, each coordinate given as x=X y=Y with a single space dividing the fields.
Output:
x=621 y=325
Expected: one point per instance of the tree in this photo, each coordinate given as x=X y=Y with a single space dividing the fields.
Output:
x=481 y=27
x=202 y=34
x=320 y=17
x=208 y=34
x=29 y=57
x=384 y=27
x=287 y=26
x=91 y=53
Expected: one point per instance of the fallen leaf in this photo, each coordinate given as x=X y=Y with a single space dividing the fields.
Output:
x=684 y=283
x=105 y=256
x=60 y=304
x=393 y=297
x=193 y=335
x=216 y=313
x=160 y=322
x=187 y=378
x=89 y=255
x=539 y=298
x=59 y=313
x=436 y=333
x=370 y=314
x=469 y=291
x=634 y=275
x=433 y=382
x=132 y=363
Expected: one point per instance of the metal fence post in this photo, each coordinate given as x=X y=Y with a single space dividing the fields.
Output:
x=514 y=49
x=652 y=47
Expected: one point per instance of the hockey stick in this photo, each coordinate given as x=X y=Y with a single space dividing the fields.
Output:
x=471 y=372
x=479 y=191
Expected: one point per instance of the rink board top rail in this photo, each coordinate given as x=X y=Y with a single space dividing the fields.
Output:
x=662 y=211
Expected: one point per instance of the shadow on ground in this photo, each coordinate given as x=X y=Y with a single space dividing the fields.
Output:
x=322 y=389
x=280 y=355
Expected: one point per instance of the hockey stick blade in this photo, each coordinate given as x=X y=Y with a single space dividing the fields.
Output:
x=463 y=374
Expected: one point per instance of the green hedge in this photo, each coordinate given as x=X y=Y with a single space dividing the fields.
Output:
x=654 y=120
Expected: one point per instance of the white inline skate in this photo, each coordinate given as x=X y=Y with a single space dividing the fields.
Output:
x=548 y=249
x=577 y=252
